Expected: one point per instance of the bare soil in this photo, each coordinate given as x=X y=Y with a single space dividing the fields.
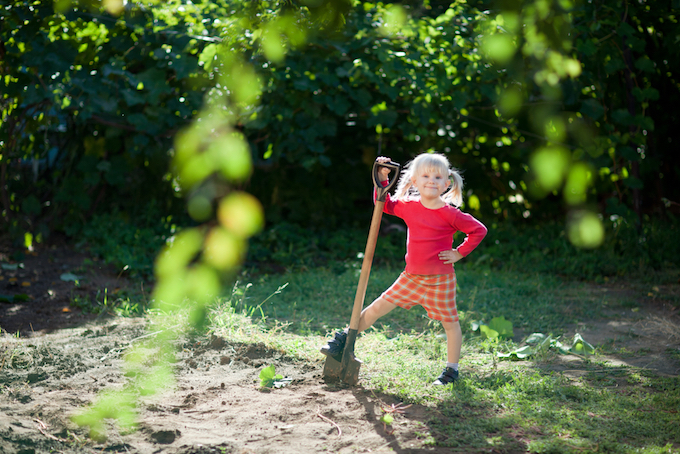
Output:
x=62 y=358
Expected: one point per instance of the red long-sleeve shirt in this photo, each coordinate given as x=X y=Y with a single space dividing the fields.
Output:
x=431 y=231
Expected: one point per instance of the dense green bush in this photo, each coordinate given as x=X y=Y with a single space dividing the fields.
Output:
x=91 y=103
x=289 y=246
x=131 y=244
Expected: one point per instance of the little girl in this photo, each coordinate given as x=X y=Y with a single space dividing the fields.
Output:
x=430 y=213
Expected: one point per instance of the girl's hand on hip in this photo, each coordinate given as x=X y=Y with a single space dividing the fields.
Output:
x=450 y=257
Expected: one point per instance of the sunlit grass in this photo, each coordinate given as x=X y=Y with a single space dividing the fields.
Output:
x=320 y=300
x=498 y=405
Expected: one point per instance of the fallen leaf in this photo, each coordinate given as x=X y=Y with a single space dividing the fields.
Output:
x=25 y=284
x=69 y=277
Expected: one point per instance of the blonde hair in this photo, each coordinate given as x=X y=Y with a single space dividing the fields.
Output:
x=430 y=162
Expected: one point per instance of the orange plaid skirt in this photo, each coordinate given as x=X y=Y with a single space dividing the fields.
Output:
x=436 y=293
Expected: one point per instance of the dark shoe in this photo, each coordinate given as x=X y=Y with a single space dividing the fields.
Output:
x=448 y=376
x=336 y=345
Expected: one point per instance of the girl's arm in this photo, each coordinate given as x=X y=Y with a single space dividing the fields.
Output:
x=474 y=230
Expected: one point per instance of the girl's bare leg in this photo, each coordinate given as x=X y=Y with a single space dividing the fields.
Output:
x=454 y=341
x=377 y=309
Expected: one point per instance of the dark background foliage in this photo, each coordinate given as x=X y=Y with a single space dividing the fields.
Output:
x=91 y=103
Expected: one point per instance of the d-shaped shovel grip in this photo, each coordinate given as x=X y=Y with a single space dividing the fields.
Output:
x=382 y=191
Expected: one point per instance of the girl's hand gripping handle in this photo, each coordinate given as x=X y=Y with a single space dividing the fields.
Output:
x=380 y=190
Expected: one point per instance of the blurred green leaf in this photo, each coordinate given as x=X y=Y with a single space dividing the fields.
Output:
x=585 y=229
x=578 y=181
x=241 y=213
x=550 y=164
x=499 y=47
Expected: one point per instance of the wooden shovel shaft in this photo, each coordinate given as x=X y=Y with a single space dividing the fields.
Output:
x=366 y=265
x=347 y=367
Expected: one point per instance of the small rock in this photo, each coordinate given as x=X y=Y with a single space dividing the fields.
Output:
x=217 y=343
x=165 y=436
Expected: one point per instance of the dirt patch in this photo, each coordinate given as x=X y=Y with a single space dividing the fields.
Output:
x=64 y=358
x=215 y=406
x=643 y=333
x=41 y=287
x=57 y=359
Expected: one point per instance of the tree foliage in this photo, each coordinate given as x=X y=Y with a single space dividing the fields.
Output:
x=534 y=100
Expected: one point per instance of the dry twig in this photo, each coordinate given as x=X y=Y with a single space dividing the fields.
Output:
x=399 y=408
x=318 y=413
x=42 y=426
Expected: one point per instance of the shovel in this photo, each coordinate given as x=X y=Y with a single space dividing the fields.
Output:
x=345 y=366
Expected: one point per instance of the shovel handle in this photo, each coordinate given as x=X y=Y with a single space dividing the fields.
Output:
x=372 y=239
x=382 y=191
x=349 y=365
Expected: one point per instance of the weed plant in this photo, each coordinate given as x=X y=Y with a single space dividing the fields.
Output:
x=120 y=304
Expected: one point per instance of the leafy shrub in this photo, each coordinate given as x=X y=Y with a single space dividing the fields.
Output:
x=289 y=245
x=130 y=245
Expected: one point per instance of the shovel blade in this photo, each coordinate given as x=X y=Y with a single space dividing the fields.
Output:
x=343 y=367
x=351 y=371
x=333 y=369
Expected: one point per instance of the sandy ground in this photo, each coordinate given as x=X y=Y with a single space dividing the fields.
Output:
x=215 y=406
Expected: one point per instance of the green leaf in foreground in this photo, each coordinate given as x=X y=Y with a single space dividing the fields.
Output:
x=499 y=327
x=502 y=326
x=270 y=379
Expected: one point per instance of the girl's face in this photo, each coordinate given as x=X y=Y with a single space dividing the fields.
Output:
x=430 y=183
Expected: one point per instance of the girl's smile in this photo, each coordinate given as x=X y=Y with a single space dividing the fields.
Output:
x=430 y=185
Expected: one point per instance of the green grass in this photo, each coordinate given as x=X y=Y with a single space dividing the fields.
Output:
x=320 y=300
x=499 y=405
